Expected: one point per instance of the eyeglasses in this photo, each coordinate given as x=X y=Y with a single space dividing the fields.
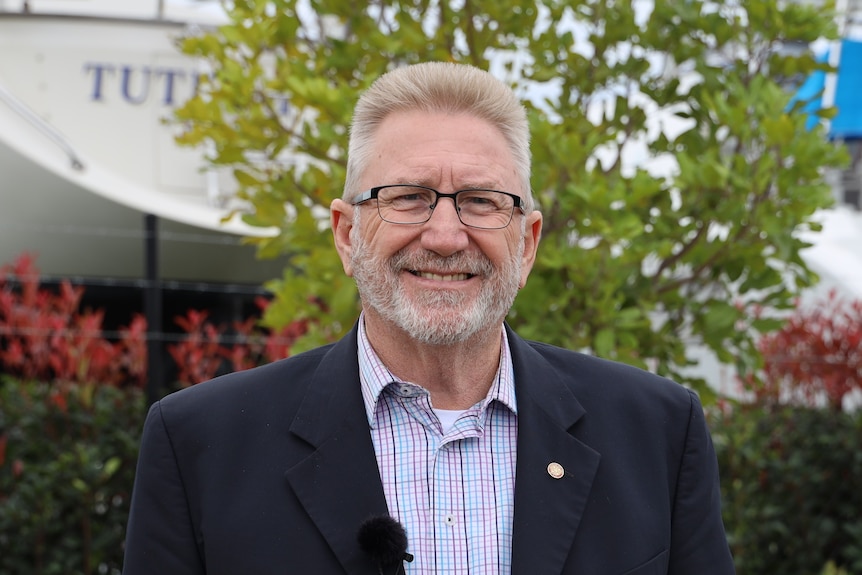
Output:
x=411 y=204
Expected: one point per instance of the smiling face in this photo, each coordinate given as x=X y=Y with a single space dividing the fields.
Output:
x=441 y=282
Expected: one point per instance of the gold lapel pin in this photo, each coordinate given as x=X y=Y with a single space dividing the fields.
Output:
x=556 y=470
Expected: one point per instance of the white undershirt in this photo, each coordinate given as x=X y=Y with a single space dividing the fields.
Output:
x=448 y=417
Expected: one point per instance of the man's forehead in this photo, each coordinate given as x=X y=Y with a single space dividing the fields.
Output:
x=430 y=148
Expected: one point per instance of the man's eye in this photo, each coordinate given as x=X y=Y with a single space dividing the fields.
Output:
x=481 y=202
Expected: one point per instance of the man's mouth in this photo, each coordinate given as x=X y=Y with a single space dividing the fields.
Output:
x=441 y=277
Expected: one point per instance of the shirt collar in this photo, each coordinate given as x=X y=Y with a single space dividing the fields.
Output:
x=374 y=376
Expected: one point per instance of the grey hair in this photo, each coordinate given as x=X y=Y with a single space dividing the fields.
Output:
x=438 y=87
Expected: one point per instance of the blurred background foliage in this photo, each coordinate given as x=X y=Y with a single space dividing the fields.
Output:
x=67 y=464
x=791 y=478
x=673 y=173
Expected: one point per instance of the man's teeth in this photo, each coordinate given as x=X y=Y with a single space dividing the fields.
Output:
x=443 y=278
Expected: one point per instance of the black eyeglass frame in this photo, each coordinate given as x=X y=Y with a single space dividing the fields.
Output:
x=371 y=194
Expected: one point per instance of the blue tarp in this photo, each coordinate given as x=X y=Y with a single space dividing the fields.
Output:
x=847 y=125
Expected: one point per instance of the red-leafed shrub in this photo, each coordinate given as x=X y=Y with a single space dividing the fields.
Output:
x=208 y=349
x=45 y=336
x=198 y=356
x=258 y=345
x=816 y=358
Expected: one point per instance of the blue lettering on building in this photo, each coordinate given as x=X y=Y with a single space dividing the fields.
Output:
x=136 y=84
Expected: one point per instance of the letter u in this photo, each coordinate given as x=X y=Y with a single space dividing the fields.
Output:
x=143 y=88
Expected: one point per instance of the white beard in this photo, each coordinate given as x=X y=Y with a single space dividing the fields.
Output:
x=436 y=317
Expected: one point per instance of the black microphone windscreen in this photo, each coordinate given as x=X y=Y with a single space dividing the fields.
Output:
x=384 y=538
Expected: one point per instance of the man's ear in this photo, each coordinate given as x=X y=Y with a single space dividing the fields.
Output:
x=341 y=218
x=532 y=235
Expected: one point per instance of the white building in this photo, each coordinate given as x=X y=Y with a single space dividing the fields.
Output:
x=84 y=155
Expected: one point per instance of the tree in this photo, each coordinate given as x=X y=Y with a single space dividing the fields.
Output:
x=636 y=262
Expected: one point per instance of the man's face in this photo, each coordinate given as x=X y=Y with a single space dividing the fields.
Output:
x=441 y=282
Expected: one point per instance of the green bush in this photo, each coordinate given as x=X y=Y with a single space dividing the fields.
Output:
x=67 y=462
x=792 y=488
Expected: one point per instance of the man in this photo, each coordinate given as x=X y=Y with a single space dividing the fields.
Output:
x=497 y=455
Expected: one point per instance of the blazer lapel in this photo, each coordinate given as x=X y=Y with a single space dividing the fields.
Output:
x=555 y=470
x=338 y=484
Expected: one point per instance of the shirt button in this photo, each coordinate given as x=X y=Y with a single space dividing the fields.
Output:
x=450 y=520
x=406 y=390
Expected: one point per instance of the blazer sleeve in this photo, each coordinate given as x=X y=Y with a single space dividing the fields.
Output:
x=698 y=540
x=160 y=537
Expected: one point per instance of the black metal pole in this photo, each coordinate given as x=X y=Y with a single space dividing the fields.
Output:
x=153 y=309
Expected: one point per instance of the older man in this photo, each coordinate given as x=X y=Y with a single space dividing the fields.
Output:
x=495 y=454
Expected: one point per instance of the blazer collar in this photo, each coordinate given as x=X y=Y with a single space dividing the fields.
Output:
x=548 y=507
x=338 y=483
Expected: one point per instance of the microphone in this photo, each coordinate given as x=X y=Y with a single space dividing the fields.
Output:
x=385 y=540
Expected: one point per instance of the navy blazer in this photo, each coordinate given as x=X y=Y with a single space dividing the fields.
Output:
x=272 y=470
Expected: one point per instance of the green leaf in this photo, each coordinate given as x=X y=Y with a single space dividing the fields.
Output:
x=111 y=467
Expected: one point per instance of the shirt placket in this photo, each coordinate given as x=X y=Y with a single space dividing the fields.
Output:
x=447 y=497
x=452 y=537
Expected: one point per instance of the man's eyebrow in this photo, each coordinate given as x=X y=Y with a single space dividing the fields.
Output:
x=479 y=187
x=426 y=182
